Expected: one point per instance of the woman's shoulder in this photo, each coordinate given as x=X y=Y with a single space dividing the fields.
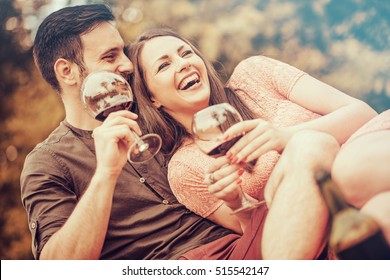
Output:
x=254 y=66
x=259 y=62
x=252 y=72
x=266 y=72
x=256 y=61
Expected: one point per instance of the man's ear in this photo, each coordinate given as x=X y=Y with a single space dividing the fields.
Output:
x=65 y=73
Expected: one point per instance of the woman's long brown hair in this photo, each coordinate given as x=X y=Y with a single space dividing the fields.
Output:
x=158 y=121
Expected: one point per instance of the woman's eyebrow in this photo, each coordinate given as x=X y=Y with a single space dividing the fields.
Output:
x=166 y=56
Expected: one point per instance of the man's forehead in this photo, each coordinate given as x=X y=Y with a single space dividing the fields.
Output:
x=102 y=38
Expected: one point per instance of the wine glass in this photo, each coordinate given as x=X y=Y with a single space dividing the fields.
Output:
x=104 y=92
x=208 y=126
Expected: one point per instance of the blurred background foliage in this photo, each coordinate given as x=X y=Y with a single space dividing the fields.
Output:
x=344 y=43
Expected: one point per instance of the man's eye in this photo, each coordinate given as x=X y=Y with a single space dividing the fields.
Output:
x=109 y=57
x=162 y=66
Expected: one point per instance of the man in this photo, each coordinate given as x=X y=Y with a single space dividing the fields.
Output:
x=82 y=197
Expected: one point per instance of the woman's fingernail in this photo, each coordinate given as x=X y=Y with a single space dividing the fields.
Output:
x=241 y=171
x=235 y=159
x=229 y=155
x=239 y=181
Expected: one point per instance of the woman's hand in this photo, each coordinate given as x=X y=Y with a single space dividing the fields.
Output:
x=260 y=137
x=223 y=180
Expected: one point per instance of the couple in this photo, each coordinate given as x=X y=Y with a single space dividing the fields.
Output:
x=85 y=201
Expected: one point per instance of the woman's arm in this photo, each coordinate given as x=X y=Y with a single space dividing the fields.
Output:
x=341 y=114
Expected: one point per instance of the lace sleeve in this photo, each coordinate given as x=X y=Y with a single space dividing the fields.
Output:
x=186 y=172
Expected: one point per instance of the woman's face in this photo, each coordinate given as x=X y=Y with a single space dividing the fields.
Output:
x=175 y=75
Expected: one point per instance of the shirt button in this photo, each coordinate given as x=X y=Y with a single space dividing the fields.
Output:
x=33 y=225
x=165 y=202
x=142 y=180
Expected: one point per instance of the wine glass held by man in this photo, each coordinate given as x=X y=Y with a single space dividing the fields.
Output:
x=172 y=81
x=104 y=92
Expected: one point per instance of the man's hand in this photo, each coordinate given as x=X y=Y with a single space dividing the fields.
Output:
x=113 y=140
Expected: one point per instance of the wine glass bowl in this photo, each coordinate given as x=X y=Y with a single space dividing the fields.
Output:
x=104 y=92
x=208 y=127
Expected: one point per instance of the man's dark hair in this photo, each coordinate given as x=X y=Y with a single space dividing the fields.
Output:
x=58 y=36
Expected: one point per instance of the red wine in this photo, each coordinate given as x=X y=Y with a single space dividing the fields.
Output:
x=104 y=114
x=222 y=149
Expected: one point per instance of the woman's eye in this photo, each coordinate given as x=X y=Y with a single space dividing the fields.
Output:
x=187 y=52
x=162 y=66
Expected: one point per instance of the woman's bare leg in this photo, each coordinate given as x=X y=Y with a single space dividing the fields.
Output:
x=362 y=167
x=362 y=172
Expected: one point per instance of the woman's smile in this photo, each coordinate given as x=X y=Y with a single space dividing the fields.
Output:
x=176 y=76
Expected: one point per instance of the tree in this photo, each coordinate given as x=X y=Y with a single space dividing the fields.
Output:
x=16 y=71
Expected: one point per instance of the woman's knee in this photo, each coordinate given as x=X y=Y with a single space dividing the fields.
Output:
x=360 y=168
x=347 y=174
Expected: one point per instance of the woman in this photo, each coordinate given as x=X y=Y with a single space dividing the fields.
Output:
x=172 y=81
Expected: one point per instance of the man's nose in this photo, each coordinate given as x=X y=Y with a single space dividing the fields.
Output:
x=126 y=66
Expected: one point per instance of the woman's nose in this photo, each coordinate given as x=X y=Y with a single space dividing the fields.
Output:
x=182 y=64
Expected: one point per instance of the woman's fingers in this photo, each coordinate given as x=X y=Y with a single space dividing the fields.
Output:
x=240 y=128
x=263 y=138
x=223 y=179
x=225 y=187
x=217 y=164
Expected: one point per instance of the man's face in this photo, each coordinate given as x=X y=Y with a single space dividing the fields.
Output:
x=104 y=50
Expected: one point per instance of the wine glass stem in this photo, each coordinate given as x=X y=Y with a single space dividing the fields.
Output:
x=244 y=200
x=141 y=144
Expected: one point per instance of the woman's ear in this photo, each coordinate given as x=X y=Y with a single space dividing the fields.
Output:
x=64 y=72
x=156 y=103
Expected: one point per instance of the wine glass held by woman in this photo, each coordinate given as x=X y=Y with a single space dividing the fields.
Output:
x=172 y=81
x=208 y=127
x=104 y=92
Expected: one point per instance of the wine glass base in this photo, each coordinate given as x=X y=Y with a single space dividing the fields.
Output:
x=144 y=149
x=248 y=207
